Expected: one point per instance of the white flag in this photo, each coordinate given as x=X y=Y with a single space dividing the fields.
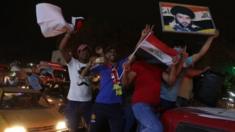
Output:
x=51 y=20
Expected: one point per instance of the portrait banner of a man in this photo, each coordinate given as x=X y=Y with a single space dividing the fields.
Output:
x=181 y=18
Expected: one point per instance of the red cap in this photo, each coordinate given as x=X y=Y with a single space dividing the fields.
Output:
x=82 y=47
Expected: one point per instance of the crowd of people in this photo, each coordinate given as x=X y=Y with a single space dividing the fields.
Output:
x=155 y=88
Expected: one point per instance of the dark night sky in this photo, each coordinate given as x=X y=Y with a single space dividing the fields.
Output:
x=21 y=37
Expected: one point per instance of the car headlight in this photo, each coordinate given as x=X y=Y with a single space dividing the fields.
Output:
x=15 y=129
x=50 y=100
x=61 y=125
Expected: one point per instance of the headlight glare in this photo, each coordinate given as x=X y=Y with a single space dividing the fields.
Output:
x=61 y=125
x=15 y=129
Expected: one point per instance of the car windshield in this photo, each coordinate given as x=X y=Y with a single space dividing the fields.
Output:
x=61 y=74
x=47 y=72
x=20 y=100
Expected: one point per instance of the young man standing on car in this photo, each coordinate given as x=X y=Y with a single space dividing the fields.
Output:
x=107 y=107
x=147 y=77
x=79 y=95
x=169 y=94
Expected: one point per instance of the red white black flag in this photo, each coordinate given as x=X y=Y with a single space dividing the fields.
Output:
x=157 y=49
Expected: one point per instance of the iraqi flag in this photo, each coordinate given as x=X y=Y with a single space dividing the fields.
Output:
x=155 y=50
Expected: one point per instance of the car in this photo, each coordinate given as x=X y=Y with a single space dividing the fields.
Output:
x=54 y=97
x=53 y=72
x=54 y=75
x=199 y=119
x=23 y=110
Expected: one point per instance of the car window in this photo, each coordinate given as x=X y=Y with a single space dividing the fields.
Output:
x=61 y=74
x=46 y=72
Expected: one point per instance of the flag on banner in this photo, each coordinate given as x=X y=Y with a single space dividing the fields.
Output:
x=200 y=20
x=51 y=20
x=158 y=50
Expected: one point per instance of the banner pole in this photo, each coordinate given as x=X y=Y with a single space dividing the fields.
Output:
x=133 y=53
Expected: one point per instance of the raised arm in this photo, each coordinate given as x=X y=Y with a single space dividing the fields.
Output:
x=170 y=76
x=148 y=29
x=196 y=72
x=63 y=47
x=128 y=75
x=174 y=70
x=86 y=70
x=204 y=48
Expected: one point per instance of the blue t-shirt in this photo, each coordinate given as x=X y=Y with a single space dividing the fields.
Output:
x=170 y=92
x=106 y=93
x=34 y=82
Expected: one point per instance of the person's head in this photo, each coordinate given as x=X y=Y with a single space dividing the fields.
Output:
x=35 y=69
x=83 y=53
x=99 y=50
x=183 y=15
x=179 y=45
x=110 y=53
x=180 y=48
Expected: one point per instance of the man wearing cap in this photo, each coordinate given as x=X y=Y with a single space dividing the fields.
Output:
x=183 y=20
x=79 y=95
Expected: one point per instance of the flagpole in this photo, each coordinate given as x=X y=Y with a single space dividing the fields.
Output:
x=138 y=46
x=133 y=53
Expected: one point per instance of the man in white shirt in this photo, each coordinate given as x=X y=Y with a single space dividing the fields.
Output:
x=79 y=95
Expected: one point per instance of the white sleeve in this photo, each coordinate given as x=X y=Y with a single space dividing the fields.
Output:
x=71 y=62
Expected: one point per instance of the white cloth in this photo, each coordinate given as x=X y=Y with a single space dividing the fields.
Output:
x=77 y=93
x=51 y=20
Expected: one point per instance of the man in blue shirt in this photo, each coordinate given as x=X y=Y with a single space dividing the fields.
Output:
x=107 y=105
x=34 y=80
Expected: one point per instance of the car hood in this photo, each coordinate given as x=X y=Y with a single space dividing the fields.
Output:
x=217 y=113
x=215 y=118
x=30 y=118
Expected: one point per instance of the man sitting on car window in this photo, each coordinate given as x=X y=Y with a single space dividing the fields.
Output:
x=33 y=80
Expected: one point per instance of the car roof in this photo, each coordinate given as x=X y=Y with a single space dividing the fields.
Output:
x=53 y=66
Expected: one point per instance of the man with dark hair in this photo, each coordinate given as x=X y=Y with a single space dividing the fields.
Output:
x=183 y=19
x=33 y=79
x=147 y=77
x=169 y=94
x=107 y=105
x=79 y=95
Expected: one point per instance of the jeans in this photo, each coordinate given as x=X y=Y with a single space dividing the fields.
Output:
x=147 y=118
x=74 y=111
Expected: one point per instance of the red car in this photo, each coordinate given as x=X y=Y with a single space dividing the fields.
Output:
x=199 y=119
x=52 y=73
